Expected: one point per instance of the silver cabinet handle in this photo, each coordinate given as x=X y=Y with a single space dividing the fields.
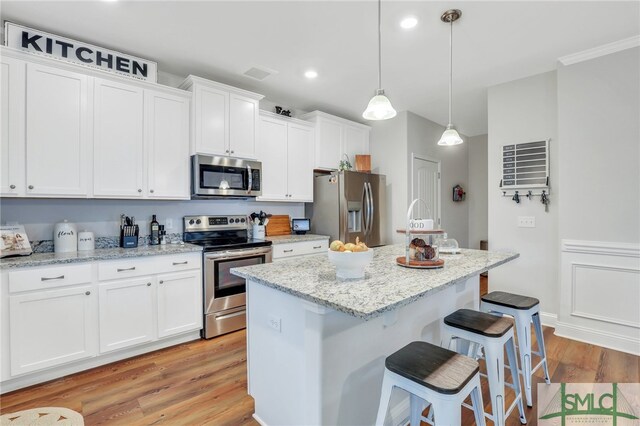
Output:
x=161 y=282
x=133 y=268
x=12 y=186
x=151 y=191
x=232 y=151
x=30 y=186
x=317 y=247
x=87 y=293
x=148 y=284
x=180 y=263
x=287 y=251
x=61 y=277
x=227 y=151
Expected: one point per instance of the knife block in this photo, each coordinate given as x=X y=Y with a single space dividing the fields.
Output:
x=129 y=236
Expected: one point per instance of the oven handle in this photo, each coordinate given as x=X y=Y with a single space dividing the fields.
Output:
x=231 y=254
x=239 y=311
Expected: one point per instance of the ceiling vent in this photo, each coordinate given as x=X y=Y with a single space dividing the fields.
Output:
x=259 y=73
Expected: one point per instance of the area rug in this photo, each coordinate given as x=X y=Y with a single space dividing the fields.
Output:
x=43 y=416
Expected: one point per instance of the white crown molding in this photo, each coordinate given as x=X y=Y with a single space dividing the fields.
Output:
x=596 y=52
x=601 y=247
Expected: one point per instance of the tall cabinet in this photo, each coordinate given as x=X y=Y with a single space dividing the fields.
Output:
x=286 y=150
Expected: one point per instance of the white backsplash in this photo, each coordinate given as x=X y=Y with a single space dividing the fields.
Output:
x=103 y=216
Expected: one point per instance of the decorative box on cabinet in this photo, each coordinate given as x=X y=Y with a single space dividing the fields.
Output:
x=337 y=137
x=286 y=153
x=224 y=119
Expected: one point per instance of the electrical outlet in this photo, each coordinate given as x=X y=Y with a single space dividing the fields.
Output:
x=168 y=224
x=275 y=323
x=526 y=221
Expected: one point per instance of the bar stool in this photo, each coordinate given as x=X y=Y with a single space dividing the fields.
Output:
x=494 y=334
x=524 y=310
x=434 y=375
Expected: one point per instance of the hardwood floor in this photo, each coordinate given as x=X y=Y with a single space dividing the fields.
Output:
x=204 y=383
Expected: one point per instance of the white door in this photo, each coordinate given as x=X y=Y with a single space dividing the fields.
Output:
x=300 y=163
x=212 y=121
x=167 y=135
x=243 y=126
x=328 y=145
x=127 y=314
x=118 y=140
x=12 y=98
x=355 y=141
x=49 y=328
x=179 y=303
x=57 y=132
x=272 y=152
x=426 y=186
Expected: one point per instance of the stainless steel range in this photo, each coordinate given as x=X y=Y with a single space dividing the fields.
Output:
x=226 y=245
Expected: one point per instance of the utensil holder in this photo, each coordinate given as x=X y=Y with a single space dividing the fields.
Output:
x=258 y=232
x=129 y=236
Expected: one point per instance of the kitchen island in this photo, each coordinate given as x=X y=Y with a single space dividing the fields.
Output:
x=316 y=345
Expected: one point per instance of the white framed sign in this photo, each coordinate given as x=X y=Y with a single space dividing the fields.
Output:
x=66 y=49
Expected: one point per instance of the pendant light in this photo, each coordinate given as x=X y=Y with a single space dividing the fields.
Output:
x=450 y=135
x=379 y=107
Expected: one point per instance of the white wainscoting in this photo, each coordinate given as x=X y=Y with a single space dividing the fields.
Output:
x=600 y=294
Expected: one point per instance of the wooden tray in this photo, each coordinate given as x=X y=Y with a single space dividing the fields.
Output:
x=420 y=264
x=279 y=225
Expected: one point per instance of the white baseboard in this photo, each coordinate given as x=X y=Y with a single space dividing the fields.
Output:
x=548 y=319
x=608 y=340
x=258 y=419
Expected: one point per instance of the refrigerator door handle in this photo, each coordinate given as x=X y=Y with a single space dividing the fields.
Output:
x=365 y=209
x=371 y=213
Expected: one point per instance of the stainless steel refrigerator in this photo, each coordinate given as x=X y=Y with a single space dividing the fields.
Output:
x=347 y=205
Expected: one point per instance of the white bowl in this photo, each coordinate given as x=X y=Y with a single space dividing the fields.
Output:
x=350 y=265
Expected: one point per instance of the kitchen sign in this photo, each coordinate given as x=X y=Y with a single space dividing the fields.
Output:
x=66 y=49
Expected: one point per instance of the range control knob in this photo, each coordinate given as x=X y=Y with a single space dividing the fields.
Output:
x=191 y=222
x=198 y=222
x=242 y=220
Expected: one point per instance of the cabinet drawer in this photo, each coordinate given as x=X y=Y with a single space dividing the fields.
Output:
x=179 y=262
x=47 y=278
x=114 y=269
x=302 y=248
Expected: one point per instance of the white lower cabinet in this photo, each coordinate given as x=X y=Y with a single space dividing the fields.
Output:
x=127 y=314
x=179 y=302
x=49 y=328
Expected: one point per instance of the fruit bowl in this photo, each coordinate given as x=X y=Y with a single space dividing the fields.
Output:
x=350 y=265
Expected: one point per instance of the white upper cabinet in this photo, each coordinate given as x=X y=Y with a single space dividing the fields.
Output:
x=57 y=132
x=224 y=119
x=167 y=135
x=285 y=148
x=337 y=137
x=12 y=98
x=118 y=140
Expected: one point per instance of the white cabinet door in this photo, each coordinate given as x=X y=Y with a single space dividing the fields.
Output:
x=328 y=144
x=167 y=121
x=57 y=132
x=272 y=152
x=179 y=302
x=212 y=121
x=300 y=162
x=118 y=140
x=127 y=314
x=243 y=126
x=50 y=328
x=354 y=141
x=12 y=98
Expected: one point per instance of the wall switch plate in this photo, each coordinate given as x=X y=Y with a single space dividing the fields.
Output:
x=526 y=221
x=168 y=224
x=275 y=323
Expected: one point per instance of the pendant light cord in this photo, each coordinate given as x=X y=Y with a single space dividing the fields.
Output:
x=450 y=65
x=379 y=48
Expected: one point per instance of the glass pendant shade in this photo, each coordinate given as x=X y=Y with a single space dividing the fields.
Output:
x=379 y=108
x=450 y=137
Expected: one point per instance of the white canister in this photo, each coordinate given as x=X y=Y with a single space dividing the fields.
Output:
x=258 y=232
x=86 y=241
x=65 y=237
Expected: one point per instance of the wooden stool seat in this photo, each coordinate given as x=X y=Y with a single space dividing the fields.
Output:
x=439 y=369
x=479 y=322
x=510 y=300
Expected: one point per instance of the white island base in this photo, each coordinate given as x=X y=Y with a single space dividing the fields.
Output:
x=312 y=365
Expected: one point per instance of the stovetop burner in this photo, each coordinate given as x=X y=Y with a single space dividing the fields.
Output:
x=219 y=233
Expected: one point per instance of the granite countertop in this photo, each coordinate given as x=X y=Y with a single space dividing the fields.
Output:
x=44 y=259
x=386 y=286
x=294 y=238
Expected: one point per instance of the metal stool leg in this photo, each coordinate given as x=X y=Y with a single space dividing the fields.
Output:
x=478 y=406
x=515 y=377
x=385 y=396
x=523 y=325
x=494 y=355
x=543 y=352
x=417 y=406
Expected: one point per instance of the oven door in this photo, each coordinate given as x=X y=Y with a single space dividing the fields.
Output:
x=223 y=290
x=225 y=177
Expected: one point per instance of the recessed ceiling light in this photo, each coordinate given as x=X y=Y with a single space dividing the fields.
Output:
x=310 y=74
x=409 y=22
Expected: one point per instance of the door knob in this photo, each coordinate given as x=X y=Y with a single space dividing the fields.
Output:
x=30 y=186
x=161 y=282
x=148 y=284
x=232 y=151
x=151 y=191
x=87 y=293
x=12 y=186
x=139 y=190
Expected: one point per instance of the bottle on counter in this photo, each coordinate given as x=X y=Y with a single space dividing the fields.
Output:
x=163 y=235
x=155 y=232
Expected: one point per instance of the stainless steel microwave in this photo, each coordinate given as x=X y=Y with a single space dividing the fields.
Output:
x=215 y=177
